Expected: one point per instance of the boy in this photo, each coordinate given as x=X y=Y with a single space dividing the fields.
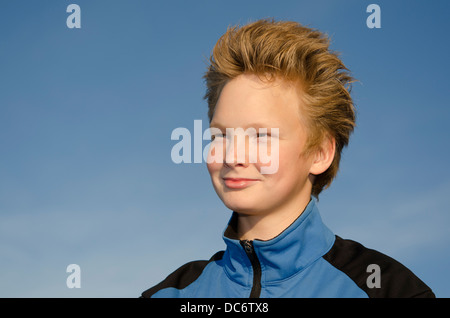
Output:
x=280 y=81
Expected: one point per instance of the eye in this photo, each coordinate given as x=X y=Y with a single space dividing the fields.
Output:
x=215 y=133
x=267 y=134
x=217 y=136
x=264 y=134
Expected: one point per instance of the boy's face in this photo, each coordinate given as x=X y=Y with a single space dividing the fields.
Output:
x=247 y=102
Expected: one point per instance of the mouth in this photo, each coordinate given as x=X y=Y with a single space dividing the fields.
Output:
x=239 y=183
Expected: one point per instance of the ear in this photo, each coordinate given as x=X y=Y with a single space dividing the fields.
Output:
x=323 y=156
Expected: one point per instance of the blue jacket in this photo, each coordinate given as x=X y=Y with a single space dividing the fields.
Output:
x=305 y=260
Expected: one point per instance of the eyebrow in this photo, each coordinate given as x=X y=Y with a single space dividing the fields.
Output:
x=255 y=125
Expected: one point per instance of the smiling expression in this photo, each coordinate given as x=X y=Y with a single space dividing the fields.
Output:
x=247 y=102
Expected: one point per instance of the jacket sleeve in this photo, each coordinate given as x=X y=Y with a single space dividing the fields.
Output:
x=395 y=280
x=182 y=277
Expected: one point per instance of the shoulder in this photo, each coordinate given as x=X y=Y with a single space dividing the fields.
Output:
x=183 y=276
x=376 y=273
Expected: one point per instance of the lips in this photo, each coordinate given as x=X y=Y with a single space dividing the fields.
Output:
x=239 y=183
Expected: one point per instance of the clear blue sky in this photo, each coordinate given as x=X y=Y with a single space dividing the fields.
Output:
x=86 y=117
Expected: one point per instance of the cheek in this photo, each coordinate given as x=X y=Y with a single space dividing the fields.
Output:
x=213 y=168
x=290 y=162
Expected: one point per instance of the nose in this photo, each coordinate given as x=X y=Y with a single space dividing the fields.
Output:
x=237 y=151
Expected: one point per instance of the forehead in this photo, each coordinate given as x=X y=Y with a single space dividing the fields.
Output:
x=247 y=101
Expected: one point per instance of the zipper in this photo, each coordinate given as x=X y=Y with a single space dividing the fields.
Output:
x=256 y=266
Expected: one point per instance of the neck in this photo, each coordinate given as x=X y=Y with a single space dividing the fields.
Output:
x=268 y=225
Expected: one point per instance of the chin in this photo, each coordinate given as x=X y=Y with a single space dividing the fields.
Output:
x=241 y=201
x=244 y=206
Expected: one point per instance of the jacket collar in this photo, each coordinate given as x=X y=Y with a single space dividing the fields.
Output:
x=294 y=249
